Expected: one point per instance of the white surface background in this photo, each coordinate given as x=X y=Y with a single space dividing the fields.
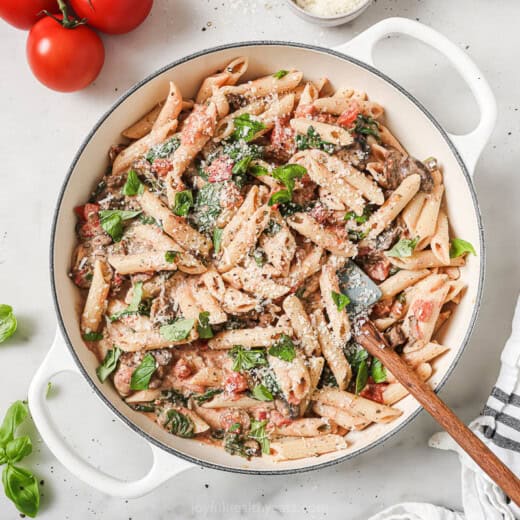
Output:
x=40 y=131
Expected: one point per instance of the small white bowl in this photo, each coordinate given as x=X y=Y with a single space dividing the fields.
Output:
x=327 y=21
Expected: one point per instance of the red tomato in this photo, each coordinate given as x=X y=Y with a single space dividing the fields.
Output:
x=348 y=117
x=64 y=59
x=113 y=16
x=221 y=169
x=23 y=14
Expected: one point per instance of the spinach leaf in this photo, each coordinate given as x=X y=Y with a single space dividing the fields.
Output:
x=378 y=371
x=133 y=186
x=287 y=175
x=361 y=376
x=259 y=434
x=261 y=393
x=111 y=221
x=143 y=373
x=460 y=247
x=93 y=336
x=179 y=424
x=280 y=197
x=246 y=359
x=280 y=74
x=356 y=358
x=21 y=487
x=217 y=239
x=203 y=327
x=283 y=348
x=14 y=416
x=341 y=300
x=133 y=308
x=359 y=219
x=207 y=395
x=403 y=248
x=178 y=330
x=365 y=125
x=257 y=170
x=163 y=150
x=109 y=364
x=8 y=322
x=313 y=140
x=174 y=396
x=246 y=128
x=234 y=443
x=183 y=203
x=206 y=208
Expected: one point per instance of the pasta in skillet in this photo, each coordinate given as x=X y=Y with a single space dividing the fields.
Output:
x=209 y=255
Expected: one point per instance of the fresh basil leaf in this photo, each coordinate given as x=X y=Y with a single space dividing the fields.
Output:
x=280 y=197
x=217 y=239
x=203 y=327
x=313 y=140
x=460 y=247
x=3 y=457
x=288 y=174
x=257 y=170
x=133 y=308
x=207 y=208
x=259 y=434
x=143 y=373
x=163 y=150
x=359 y=219
x=403 y=248
x=361 y=377
x=93 y=336
x=170 y=256
x=133 y=186
x=8 y=322
x=246 y=128
x=261 y=393
x=356 y=358
x=378 y=371
x=21 y=487
x=207 y=395
x=111 y=221
x=283 y=348
x=280 y=74
x=14 y=416
x=178 y=330
x=17 y=449
x=109 y=364
x=241 y=166
x=183 y=203
x=144 y=219
x=246 y=359
x=179 y=424
x=341 y=300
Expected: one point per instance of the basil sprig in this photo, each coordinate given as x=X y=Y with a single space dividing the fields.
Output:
x=143 y=373
x=20 y=485
x=109 y=364
x=8 y=322
x=111 y=221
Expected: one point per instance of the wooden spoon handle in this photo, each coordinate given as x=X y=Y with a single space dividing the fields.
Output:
x=371 y=340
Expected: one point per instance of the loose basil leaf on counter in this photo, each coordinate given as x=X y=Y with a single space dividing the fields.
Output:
x=283 y=348
x=280 y=74
x=8 y=322
x=143 y=373
x=183 y=203
x=14 y=416
x=207 y=395
x=340 y=300
x=361 y=377
x=460 y=247
x=178 y=330
x=203 y=327
x=217 y=239
x=378 y=371
x=261 y=393
x=109 y=364
x=111 y=221
x=93 y=336
x=179 y=424
x=246 y=128
x=17 y=449
x=170 y=256
x=133 y=186
x=258 y=433
x=134 y=304
x=21 y=486
x=246 y=359
x=403 y=248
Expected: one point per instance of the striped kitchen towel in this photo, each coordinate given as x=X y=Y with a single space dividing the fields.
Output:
x=499 y=428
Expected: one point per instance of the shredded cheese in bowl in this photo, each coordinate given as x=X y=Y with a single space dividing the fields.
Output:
x=330 y=8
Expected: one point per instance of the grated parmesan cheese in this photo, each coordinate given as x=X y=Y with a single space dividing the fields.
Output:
x=329 y=8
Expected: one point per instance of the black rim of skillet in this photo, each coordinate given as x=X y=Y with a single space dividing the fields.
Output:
x=103 y=118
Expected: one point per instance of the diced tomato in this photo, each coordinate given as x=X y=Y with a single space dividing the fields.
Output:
x=200 y=122
x=374 y=392
x=307 y=110
x=235 y=382
x=348 y=116
x=161 y=167
x=229 y=418
x=282 y=137
x=87 y=210
x=182 y=369
x=221 y=169
x=422 y=310
x=276 y=418
x=259 y=414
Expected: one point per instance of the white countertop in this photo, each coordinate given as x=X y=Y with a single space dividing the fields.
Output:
x=40 y=132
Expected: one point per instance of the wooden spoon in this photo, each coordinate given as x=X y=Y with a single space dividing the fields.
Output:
x=367 y=335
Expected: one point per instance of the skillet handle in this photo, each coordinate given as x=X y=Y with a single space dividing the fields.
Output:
x=469 y=145
x=164 y=466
